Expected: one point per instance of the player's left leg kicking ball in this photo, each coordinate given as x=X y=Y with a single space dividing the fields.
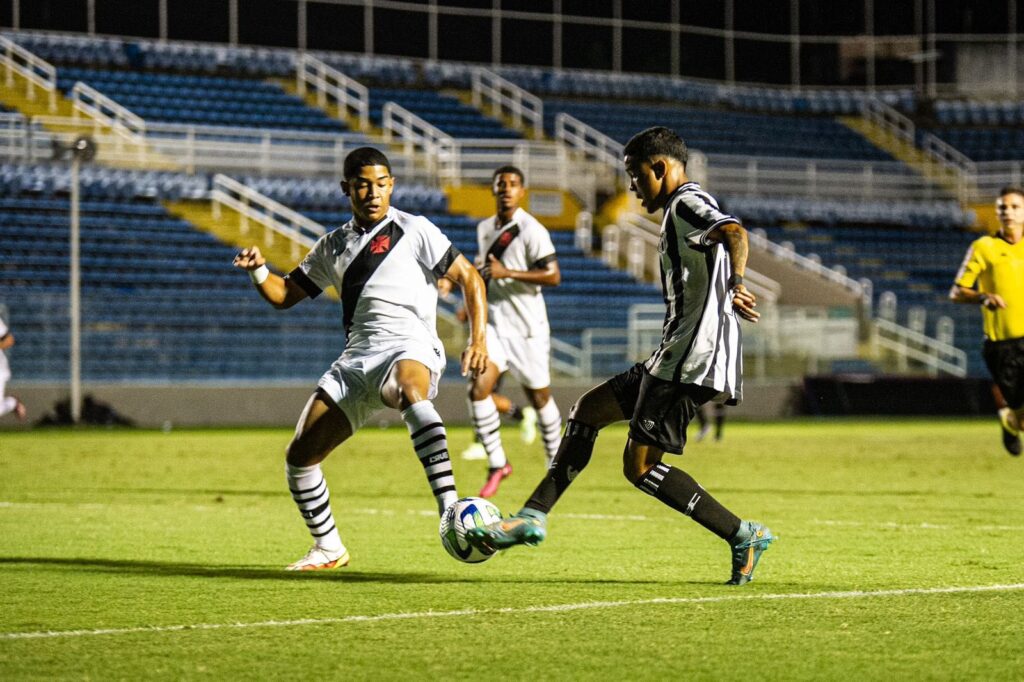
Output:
x=661 y=415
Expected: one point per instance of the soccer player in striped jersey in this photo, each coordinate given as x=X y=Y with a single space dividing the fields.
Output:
x=517 y=259
x=385 y=265
x=703 y=258
x=992 y=276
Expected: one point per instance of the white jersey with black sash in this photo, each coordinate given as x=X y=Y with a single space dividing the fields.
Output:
x=701 y=334
x=516 y=308
x=386 y=275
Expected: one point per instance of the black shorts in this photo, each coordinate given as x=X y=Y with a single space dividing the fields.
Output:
x=1005 y=361
x=658 y=411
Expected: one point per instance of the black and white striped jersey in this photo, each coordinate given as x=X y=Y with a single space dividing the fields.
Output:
x=701 y=334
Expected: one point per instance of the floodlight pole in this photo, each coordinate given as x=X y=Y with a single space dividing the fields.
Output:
x=76 y=295
x=81 y=149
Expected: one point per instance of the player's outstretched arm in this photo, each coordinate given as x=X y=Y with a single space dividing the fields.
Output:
x=734 y=237
x=276 y=290
x=548 y=276
x=962 y=294
x=7 y=341
x=474 y=293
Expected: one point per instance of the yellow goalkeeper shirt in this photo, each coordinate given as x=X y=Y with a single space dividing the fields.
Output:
x=998 y=268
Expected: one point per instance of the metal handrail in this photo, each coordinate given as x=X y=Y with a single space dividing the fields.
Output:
x=327 y=82
x=95 y=104
x=924 y=349
x=37 y=72
x=506 y=96
x=806 y=263
x=420 y=136
x=275 y=216
x=587 y=139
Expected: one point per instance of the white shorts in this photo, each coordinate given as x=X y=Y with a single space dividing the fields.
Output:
x=355 y=379
x=527 y=357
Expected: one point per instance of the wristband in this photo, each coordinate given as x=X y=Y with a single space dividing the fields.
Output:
x=259 y=275
x=735 y=280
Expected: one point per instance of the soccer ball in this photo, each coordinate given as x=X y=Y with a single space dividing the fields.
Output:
x=469 y=512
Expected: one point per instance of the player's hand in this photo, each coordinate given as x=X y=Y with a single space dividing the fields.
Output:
x=993 y=302
x=249 y=259
x=744 y=302
x=474 y=360
x=497 y=268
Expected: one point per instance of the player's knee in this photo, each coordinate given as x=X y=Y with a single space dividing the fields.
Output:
x=478 y=391
x=539 y=398
x=298 y=453
x=632 y=470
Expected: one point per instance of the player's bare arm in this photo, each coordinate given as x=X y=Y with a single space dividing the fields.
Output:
x=7 y=341
x=549 y=275
x=962 y=294
x=734 y=237
x=474 y=293
x=279 y=292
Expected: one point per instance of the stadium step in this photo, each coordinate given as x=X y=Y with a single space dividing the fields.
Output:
x=903 y=151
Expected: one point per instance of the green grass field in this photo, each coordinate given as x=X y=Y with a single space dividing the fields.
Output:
x=128 y=555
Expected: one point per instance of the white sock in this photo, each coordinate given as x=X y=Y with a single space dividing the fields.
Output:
x=309 y=490
x=430 y=441
x=487 y=424
x=7 y=405
x=550 y=420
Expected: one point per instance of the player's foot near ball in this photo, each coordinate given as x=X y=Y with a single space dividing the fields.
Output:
x=494 y=479
x=318 y=559
x=528 y=527
x=750 y=542
x=1011 y=433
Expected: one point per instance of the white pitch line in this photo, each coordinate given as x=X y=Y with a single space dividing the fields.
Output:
x=553 y=608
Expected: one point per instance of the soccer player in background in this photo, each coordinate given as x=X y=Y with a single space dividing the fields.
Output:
x=704 y=422
x=703 y=258
x=8 y=403
x=992 y=276
x=385 y=265
x=516 y=258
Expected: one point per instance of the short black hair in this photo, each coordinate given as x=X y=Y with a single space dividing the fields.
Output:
x=364 y=156
x=508 y=169
x=656 y=141
x=1011 y=189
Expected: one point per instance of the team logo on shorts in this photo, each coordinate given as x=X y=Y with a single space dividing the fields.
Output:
x=648 y=424
x=380 y=244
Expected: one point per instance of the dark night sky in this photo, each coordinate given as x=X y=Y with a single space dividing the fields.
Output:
x=341 y=27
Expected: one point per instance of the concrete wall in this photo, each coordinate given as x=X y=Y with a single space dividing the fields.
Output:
x=154 y=406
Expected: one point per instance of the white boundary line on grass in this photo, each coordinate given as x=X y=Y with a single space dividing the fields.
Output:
x=554 y=608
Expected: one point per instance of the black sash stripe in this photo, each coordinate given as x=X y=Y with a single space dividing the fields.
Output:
x=499 y=245
x=303 y=280
x=362 y=267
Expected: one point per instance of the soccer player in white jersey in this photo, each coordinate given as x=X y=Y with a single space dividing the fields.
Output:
x=8 y=403
x=703 y=258
x=516 y=258
x=385 y=265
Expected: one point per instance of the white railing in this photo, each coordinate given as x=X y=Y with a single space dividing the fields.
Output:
x=95 y=104
x=895 y=124
x=38 y=73
x=763 y=243
x=521 y=106
x=588 y=140
x=936 y=151
x=14 y=137
x=333 y=87
x=277 y=218
x=197 y=148
x=993 y=176
x=840 y=179
x=908 y=344
x=422 y=139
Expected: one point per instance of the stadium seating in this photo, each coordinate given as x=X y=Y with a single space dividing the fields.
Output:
x=995 y=143
x=443 y=111
x=724 y=132
x=211 y=100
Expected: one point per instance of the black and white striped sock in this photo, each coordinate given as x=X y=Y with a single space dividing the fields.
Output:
x=550 y=421
x=430 y=442
x=679 y=490
x=309 y=490
x=487 y=424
